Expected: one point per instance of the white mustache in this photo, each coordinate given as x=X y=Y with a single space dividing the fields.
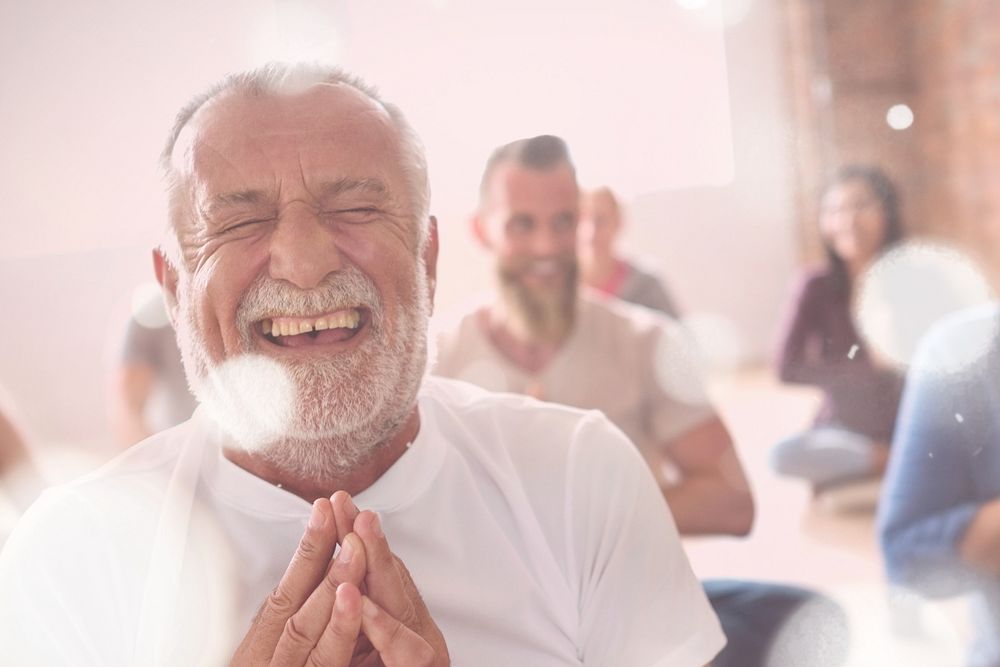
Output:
x=347 y=288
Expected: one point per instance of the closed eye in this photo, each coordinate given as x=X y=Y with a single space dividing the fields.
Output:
x=359 y=215
x=245 y=224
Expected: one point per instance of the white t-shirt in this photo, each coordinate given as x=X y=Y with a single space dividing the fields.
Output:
x=534 y=532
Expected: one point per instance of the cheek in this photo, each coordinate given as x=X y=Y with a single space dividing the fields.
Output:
x=568 y=242
x=828 y=226
x=509 y=249
x=872 y=228
x=512 y=258
x=215 y=297
x=391 y=266
x=836 y=233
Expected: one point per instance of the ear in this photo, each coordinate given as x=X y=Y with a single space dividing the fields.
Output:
x=431 y=258
x=478 y=227
x=166 y=275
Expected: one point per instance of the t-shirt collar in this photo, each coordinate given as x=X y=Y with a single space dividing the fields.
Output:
x=402 y=484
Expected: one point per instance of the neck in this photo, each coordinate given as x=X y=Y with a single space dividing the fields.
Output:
x=326 y=484
x=856 y=267
x=517 y=342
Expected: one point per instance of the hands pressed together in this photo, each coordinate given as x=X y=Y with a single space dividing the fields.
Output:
x=360 y=609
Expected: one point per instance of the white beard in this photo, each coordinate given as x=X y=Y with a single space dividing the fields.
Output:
x=321 y=418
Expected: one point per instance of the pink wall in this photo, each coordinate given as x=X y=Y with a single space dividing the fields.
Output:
x=640 y=91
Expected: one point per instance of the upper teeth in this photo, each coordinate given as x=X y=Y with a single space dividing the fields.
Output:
x=293 y=326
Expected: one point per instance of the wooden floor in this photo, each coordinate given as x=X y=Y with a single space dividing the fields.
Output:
x=797 y=539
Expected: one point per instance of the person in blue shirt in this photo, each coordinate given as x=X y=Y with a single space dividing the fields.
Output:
x=939 y=520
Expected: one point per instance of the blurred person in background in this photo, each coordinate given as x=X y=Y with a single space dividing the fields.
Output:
x=544 y=337
x=602 y=267
x=849 y=441
x=939 y=519
x=148 y=391
x=20 y=479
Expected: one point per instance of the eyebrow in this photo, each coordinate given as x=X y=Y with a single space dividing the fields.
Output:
x=370 y=186
x=231 y=199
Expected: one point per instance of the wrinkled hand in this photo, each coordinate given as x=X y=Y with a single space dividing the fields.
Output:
x=361 y=610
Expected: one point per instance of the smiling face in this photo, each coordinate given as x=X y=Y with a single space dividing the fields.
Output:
x=600 y=222
x=852 y=221
x=528 y=217
x=295 y=224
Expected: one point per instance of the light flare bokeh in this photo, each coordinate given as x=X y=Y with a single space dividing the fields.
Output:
x=909 y=290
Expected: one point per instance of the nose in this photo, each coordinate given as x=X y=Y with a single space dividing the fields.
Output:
x=303 y=251
x=547 y=241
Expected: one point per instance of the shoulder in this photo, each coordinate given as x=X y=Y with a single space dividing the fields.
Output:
x=978 y=324
x=523 y=430
x=460 y=318
x=456 y=334
x=605 y=313
x=816 y=283
x=962 y=346
x=114 y=498
x=149 y=459
x=557 y=459
x=648 y=333
x=642 y=270
x=490 y=413
x=93 y=556
x=93 y=516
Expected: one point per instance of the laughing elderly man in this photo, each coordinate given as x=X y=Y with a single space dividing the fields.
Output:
x=324 y=481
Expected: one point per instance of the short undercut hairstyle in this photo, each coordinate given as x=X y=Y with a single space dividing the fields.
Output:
x=543 y=152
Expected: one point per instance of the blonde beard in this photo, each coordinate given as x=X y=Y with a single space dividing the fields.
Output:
x=539 y=316
x=321 y=419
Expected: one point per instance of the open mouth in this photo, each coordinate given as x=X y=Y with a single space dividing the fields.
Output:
x=546 y=268
x=334 y=327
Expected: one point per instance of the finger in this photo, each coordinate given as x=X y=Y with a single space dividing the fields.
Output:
x=364 y=653
x=396 y=644
x=336 y=646
x=369 y=659
x=384 y=585
x=304 y=572
x=303 y=630
x=344 y=512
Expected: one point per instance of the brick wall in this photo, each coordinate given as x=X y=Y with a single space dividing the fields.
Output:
x=850 y=60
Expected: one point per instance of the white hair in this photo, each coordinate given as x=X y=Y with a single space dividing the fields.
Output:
x=285 y=78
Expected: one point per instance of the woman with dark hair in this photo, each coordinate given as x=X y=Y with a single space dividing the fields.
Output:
x=859 y=219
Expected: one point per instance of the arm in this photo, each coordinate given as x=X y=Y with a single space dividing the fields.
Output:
x=799 y=359
x=980 y=546
x=713 y=496
x=680 y=426
x=133 y=380
x=19 y=477
x=933 y=522
x=13 y=450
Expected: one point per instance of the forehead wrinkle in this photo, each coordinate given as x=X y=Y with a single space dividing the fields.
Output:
x=370 y=186
x=208 y=203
